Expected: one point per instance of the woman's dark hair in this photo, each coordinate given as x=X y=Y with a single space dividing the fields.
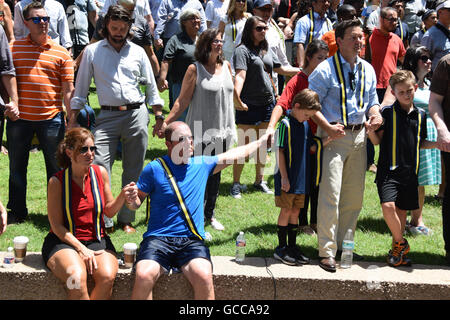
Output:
x=304 y=6
x=412 y=58
x=247 y=35
x=312 y=48
x=73 y=140
x=117 y=12
x=204 y=45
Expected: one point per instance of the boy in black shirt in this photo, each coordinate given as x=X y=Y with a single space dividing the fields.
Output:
x=403 y=132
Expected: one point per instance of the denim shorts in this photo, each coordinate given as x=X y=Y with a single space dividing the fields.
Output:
x=255 y=114
x=172 y=252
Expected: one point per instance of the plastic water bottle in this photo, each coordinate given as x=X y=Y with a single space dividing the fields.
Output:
x=347 y=250
x=8 y=260
x=240 y=247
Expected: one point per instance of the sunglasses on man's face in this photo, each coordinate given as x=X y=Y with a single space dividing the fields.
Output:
x=241 y=1
x=37 y=20
x=83 y=150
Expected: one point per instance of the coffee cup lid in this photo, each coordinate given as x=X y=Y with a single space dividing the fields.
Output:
x=130 y=246
x=21 y=239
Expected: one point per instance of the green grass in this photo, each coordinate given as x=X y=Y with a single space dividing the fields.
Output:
x=254 y=213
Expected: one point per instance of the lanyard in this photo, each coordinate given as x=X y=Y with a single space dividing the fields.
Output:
x=394 y=164
x=67 y=200
x=401 y=29
x=312 y=26
x=233 y=29
x=187 y=215
x=343 y=92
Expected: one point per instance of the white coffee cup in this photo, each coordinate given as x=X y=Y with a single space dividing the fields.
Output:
x=129 y=254
x=20 y=247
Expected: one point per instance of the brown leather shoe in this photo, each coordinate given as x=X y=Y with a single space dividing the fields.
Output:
x=328 y=264
x=110 y=230
x=126 y=227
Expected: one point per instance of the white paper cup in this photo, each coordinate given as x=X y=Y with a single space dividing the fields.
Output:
x=20 y=247
x=129 y=254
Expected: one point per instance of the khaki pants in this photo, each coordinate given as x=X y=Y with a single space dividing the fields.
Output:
x=341 y=189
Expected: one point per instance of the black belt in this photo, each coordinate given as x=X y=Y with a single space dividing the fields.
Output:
x=122 y=108
x=353 y=127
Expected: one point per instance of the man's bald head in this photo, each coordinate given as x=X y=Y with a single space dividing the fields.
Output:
x=175 y=127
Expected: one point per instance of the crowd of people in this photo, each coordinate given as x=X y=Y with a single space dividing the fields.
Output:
x=320 y=82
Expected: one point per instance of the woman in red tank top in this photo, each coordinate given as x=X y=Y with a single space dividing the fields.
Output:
x=78 y=196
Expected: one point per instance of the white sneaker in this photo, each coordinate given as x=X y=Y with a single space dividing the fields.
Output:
x=208 y=236
x=217 y=225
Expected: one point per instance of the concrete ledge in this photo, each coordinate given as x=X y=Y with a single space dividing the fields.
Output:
x=252 y=280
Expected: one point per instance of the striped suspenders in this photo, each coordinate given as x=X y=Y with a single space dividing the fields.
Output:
x=67 y=201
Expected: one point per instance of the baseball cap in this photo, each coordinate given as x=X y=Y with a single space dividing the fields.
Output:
x=261 y=3
x=443 y=5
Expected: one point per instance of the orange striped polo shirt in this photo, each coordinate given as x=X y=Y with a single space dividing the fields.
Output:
x=40 y=72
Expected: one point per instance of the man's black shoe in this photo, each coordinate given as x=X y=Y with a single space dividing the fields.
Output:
x=356 y=257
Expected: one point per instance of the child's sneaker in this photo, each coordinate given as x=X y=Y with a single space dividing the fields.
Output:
x=406 y=262
x=236 y=190
x=262 y=186
x=399 y=250
x=282 y=254
x=298 y=255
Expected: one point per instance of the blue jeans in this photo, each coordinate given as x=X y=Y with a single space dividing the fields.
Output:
x=19 y=134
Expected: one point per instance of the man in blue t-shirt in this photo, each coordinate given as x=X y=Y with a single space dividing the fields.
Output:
x=174 y=238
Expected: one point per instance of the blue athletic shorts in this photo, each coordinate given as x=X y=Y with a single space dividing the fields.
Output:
x=172 y=252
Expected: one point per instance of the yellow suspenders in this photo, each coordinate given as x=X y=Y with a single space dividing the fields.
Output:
x=186 y=214
x=394 y=139
x=67 y=199
x=343 y=93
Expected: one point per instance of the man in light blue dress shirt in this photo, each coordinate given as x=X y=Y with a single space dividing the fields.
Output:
x=119 y=68
x=345 y=118
x=303 y=34
x=437 y=38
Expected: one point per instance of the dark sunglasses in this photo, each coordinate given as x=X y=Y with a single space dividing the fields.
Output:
x=260 y=29
x=37 y=20
x=424 y=58
x=391 y=19
x=83 y=150
x=241 y=1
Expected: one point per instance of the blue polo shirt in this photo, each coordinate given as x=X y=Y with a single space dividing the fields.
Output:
x=166 y=217
x=295 y=140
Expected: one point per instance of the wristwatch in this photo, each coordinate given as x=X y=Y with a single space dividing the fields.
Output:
x=160 y=117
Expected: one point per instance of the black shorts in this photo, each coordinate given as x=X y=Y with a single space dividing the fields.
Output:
x=255 y=114
x=53 y=244
x=172 y=252
x=401 y=188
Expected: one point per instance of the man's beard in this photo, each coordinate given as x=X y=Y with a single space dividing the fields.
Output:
x=117 y=40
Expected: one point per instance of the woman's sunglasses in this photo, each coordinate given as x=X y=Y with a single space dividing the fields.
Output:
x=83 y=150
x=37 y=20
x=261 y=29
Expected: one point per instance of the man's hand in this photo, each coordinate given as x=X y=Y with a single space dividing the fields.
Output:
x=443 y=140
x=374 y=122
x=336 y=131
x=271 y=136
x=12 y=111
